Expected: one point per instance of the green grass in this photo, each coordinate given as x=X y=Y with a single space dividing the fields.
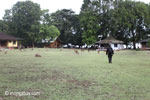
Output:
x=64 y=75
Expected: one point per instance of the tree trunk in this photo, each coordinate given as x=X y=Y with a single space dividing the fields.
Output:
x=32 y=45
x=126 y=45
x=134 y=43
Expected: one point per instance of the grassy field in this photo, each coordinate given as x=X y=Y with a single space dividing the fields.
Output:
x=64 y=75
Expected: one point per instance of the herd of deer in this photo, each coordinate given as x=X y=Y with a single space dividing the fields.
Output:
x=82 y=50
x=75 y=50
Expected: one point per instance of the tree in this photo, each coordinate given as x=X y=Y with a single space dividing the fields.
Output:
x=25 y=19
x=46 y=17
x=121 y=15
x=100 y=13
x=124 y=19
x=89 y=22
x=49 y=32
x=147 y=23
x=63 y=20
x=7 y=20
x=90 y=27
x=137 y=12
x=76 y=30
x=130 y=18
x=3 y=26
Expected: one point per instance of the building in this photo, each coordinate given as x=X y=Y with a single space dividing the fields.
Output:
x=114 y=43
x=56 y=43
x=137 y=45
x=145 y=44
x=8 y=41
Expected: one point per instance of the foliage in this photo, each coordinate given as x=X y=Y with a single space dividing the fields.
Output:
x=89 y=23
x=76 y=31
x=24 y=19
x=46 y=17
x=49 y=32
x=126 y=20
x=3 y=26
x=64 y=21
x=90 y=27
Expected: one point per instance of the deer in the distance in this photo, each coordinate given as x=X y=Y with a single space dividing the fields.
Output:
x=37 y=55
x=76 y=51
x=82 y=50
x=98 y=51
x=6 y=52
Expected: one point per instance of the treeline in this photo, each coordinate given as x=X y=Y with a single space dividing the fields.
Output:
x=126 y=20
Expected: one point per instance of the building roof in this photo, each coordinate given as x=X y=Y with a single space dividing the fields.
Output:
x=145 y=40
x=4 y=36
x=52 y=40
x=110 y=39
x=57 y=39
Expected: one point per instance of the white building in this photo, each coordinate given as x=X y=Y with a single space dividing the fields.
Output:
x=114 y=43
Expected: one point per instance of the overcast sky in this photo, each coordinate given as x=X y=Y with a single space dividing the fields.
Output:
x=52 y=5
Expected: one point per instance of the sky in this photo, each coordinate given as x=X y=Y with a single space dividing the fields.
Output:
x=52 y=5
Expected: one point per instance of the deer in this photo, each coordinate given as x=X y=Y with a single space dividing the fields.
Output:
x=82 y=50
x=98 y=51
x=6 y=52
x=76 y=51
x=37 y=55
x=117 y=50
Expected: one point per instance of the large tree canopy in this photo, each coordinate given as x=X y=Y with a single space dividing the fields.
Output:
x=131 y=21
x=24 y=19
x=65 y=21
x=49 y=32
x=126 y=20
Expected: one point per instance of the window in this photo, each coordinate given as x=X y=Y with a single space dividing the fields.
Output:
x=14 y=42
x=115 y=45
